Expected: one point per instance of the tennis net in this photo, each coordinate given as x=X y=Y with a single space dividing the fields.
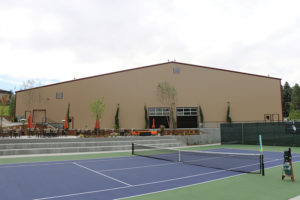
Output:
x=240 y=162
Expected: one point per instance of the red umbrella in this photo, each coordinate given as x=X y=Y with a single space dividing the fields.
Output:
x=66 y=125
x=153 y=123
x=30 y=121
x=97 y=124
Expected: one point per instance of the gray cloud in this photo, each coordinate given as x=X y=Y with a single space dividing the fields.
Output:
x=80 y=38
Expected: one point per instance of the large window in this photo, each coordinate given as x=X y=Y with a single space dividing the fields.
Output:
x=187 y=117
x=159 y=112
x=187 y=111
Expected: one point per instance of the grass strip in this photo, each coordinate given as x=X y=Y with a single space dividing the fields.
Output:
x=14 y=160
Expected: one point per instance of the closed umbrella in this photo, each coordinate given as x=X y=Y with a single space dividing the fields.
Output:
x=66 y=125
x=30 y=121
x=153 y=123
x=97 y=124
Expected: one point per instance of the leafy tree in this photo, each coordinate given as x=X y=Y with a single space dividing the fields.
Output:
x=146 y=117
x=97 y=108
x=12 y=108
x=3 y=102
x=296 y=97
x=30 y=84
x=167 y=95
x=294 y=114
x=286 y=99
x=117 y=125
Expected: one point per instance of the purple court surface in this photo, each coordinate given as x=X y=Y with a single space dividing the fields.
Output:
x=110 y=178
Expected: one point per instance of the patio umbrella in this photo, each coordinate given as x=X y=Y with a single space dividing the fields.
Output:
x=153 y=123
x=97 y=124
x=30 y=121
x=66 y=125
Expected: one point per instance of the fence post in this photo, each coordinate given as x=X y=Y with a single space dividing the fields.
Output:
x=242 y=133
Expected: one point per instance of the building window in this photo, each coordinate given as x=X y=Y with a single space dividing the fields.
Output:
x=187 y=117
x=187 y=111
x=159 y=112
x=275 y=117
x=176 y=70
x=267 y=117
x=59 y=95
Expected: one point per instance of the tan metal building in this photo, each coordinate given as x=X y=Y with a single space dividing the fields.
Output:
x=251 y=97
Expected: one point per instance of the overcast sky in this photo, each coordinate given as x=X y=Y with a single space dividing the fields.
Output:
x=56 y=40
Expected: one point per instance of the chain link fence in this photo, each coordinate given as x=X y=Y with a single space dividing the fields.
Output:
x=273 y=133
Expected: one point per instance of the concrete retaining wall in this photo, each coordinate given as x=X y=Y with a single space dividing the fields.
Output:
x=72 y=145
x=210 y=136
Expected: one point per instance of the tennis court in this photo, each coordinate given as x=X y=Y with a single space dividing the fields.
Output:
x=114 y=178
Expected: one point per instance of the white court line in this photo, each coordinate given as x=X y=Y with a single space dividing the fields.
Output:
x=178 y=187
x=150 y=183
x=101 y=174
x=34 y=165
x=105 y=159
x=82 y=193
x=145 y=166
x=192 y=184
x=131 y=186
x=47 y=163
x=295 y=198
x=143 y=184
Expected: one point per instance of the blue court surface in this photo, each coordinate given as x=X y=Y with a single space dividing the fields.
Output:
x=110 y=178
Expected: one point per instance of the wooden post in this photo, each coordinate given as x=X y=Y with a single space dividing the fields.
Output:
x=292 y=172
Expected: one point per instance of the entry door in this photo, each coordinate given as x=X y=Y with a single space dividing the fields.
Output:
x=160 y=116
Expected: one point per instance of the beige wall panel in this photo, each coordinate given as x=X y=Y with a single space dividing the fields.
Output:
x=250 y=96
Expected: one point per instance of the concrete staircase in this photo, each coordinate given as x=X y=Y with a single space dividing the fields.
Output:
x=74 y=145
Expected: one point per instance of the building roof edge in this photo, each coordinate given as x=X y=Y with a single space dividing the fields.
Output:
x=148 y=66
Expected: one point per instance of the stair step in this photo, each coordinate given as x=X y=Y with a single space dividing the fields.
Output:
x=79 y=144
x=51 y=140
x=76 y=149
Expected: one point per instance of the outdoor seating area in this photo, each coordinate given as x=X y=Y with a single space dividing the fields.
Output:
x=47 y=132
x=37 y=132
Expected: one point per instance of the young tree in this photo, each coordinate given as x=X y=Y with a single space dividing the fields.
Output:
x=201 y=115
x=68 y=115
x=167 y=96
x=12 y=107
x=117 y=125
x=228 y=118
x=29 y=84
x=97 y=108
x=146 y=117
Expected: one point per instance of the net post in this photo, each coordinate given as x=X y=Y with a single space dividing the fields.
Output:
x=262 y=165
x=179 y=156
x=132 y=148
